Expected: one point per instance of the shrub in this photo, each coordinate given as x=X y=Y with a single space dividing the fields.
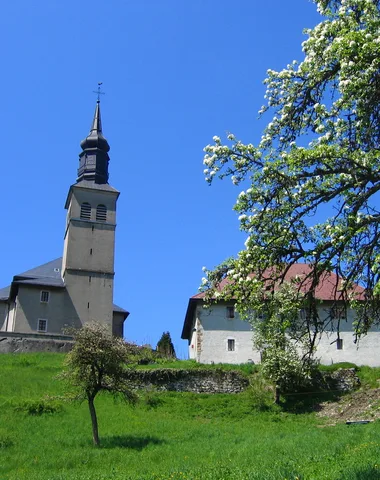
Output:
x=39 y=407
x=261 y=393
x=5 y=441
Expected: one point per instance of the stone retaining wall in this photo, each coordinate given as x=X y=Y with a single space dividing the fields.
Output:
x=197 y=381
x=11 y=342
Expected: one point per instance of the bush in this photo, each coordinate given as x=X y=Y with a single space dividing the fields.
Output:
x=261 y=393
x=39 y=407
x=5 y=441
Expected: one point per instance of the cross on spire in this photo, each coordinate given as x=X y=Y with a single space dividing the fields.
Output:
x=98 y=91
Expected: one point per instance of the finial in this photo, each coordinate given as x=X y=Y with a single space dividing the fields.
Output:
x=98 y=91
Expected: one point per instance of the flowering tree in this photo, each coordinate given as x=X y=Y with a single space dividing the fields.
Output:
x=97 y=363
x=320 y=151
x=283 y=339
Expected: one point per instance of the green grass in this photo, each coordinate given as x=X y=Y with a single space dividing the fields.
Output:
x=245 y=368
x=168 y=436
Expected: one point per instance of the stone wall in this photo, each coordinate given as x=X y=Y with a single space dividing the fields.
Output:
x=197 y=381
x=11 y=342
x=343 y=379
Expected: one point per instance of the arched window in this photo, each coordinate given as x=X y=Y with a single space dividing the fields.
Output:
x=101 y=213
x=85 y=211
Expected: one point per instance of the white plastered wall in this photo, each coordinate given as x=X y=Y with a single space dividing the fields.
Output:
x=212 y=330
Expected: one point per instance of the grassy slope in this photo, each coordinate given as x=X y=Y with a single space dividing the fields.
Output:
x=169 y=435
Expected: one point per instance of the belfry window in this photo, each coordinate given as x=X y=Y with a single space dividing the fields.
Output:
x=85 y=211
x=101 y=213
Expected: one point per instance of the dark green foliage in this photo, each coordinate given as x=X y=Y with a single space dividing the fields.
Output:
x=5 y=441
x=39 y=407
x=165 y=346
x=261 y=393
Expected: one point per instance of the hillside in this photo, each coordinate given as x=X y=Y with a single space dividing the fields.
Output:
x=171 y=435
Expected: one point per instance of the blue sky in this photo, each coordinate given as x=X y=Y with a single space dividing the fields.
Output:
x=175 y=73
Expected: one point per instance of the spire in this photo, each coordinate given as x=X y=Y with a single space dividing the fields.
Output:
x=93 y=161
x=95 y=138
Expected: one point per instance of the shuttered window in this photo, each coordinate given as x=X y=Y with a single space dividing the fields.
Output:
x=85 y=211
x=101 y=213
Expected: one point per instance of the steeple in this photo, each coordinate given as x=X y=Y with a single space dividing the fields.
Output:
x=93 y=161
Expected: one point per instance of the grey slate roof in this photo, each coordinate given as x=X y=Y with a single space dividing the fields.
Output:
x=45 y=281
x=95 y=186
x=116 y=308
x=4 y=293
x=46 y=275
x=92 y=186
x=47 y=270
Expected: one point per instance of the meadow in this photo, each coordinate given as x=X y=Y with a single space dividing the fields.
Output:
x=169 y=435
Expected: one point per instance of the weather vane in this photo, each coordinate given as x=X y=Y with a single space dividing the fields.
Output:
x=98 y=91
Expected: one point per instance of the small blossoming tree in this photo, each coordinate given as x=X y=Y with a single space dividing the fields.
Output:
x=319 y=152
x=97 y=363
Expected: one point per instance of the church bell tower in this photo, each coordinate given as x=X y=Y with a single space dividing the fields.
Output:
x=89 y=241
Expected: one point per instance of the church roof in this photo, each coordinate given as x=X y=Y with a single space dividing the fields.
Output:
x=45 y=275
x=116 y=308
x=94 y=159
x=47 y=270
x=4 y=293
x=96 y=139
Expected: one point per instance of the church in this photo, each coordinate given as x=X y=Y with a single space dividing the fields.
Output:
x=78 y=287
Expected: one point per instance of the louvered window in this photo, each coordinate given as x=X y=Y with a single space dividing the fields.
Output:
x=44 y=297
x=101 y=213
x=85 y=211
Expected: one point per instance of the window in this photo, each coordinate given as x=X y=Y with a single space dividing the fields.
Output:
x=44 y=297
x=101 y=213
x=339 y=343
x=85 y=211
x=230 y=312
x=304 y=314
x=338 y=313
x=42 y=325
x=231 y=345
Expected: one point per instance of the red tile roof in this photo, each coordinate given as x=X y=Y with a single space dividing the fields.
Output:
x=327 y=289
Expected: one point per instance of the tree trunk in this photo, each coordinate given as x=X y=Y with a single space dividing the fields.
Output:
x=94 y=421
x=277 y=395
